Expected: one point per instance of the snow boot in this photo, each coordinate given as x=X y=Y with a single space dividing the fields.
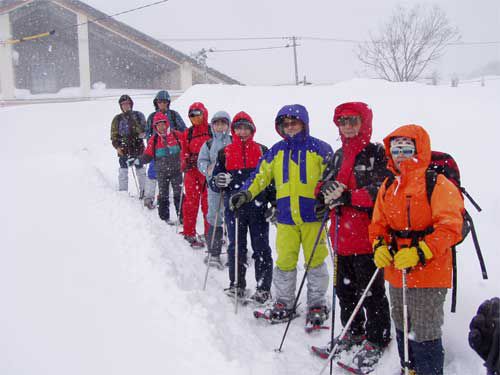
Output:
x=171 y=222
x=345 y=344
x=232 y=289
x=367 y=358
x=261 y=296
x=317 y=315
x=193 y=242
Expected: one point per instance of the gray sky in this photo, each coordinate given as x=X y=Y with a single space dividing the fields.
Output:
x=321 y=62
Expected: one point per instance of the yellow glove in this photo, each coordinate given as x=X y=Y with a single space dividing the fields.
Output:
x=408 y=257
x=381 y=256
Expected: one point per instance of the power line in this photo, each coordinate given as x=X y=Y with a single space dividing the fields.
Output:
x=222 y=39
x=213 y=50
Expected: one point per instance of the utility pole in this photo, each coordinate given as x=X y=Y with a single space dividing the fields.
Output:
x=294 y=41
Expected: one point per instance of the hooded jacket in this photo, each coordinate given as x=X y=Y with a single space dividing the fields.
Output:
x=240 y=159
x=126 y=130
x=404 y=205
x=210 y=149
x=193 y=138
x=296 y=164
x=166 y=145
x=361 y=166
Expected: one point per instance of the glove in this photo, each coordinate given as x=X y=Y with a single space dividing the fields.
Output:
x=133 y=161
x=408 y=257
x=120 y=151
x=344 y=199
x=332 y=190
x=320 y=210
x=191 y=162
x=483 y=328
x=271 y=215
x=239 y=199
x=381 y=254
x=222 y=180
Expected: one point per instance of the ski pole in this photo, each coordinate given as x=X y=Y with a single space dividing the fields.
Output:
x=316 y=242
x=405 y=324
x=214 y=229
x=351 y=318
x=135 y=180
x=236 y=286
x=333 y=254
x=180 y=206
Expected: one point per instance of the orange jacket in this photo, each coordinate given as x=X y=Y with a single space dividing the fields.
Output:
x=404 y=206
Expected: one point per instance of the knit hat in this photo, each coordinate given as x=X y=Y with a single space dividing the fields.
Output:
x=403 y=142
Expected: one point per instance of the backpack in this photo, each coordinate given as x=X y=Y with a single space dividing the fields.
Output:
x=443 y=163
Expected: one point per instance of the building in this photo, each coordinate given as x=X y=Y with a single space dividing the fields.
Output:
x=85 y=46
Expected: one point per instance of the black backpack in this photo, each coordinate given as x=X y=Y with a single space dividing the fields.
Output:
x=443 y=163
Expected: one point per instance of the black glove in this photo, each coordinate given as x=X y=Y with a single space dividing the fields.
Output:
x=222 y=180
x=484 y=333
x=320 y=210
x=191 y=162
x=239 y=199
x=344 y=199
x=271 y=214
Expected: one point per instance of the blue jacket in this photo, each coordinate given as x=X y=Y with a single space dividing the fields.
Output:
x=296 y=164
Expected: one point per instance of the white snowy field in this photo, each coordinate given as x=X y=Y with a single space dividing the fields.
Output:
x=93 y=283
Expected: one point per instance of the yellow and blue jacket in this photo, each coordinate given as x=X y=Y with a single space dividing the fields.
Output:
x=296 y=164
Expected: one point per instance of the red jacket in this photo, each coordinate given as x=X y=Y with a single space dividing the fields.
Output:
x=239 y=154
x=361 y=166
x=194 y=138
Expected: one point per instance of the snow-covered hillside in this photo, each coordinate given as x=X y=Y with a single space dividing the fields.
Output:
x=92 y=283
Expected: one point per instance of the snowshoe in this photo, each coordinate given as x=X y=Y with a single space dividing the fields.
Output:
x=344 y=345
x=193 y=242
x=215 y=262
x=365 y=360
x=277 y=314
x=243 y=294
x=260 y=297
x=315 y=318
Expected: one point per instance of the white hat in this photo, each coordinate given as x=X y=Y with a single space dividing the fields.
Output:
x=402 y=142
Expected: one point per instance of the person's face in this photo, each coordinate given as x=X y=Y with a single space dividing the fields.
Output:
x=162 y=105
x=220 y=126
x=196 y=117
x=292 y=126
x=243 y=132
x=161 y=127
x=401 y=153
x=349 y=126
x=126 y=106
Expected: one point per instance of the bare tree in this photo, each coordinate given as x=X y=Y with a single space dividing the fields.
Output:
x=408 y=43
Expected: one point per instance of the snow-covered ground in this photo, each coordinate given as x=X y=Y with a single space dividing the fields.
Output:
x=93 y=283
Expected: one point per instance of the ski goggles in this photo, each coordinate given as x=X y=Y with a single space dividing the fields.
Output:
x=403 y=150
x=349 y=120
x=195 y=113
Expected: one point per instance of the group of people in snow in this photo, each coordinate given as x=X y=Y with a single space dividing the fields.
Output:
x=374 y=194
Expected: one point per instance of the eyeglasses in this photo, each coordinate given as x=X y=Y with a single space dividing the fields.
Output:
x=220 y=122
x=402 y=150
x=195 y=113
x=349 y=120
x=162 y=101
